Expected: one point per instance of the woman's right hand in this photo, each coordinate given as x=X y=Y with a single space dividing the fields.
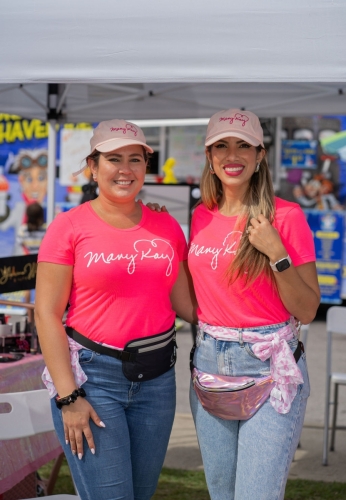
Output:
x=76 y=418
x=155 y=207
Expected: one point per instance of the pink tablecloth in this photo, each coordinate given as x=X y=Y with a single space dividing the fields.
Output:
x=20 y=457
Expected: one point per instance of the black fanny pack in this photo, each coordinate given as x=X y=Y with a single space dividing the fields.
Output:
x=142 y=359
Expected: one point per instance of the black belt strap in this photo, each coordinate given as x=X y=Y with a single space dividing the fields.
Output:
x=101 y=349
x=298 y=352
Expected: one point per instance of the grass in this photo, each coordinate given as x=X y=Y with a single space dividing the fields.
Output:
x=175 y=484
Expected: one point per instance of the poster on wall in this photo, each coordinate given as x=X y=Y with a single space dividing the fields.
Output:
x=328 y=232
x=314 y=177
x=74 y=147
x=23 y=174
x=299 y=154
x=186 y=146
x=322 y=187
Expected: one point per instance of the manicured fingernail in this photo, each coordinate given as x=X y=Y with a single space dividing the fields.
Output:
x=92 y=450
x=102 y=424
x=80 y=455
x=66 y=441
x=73 y=452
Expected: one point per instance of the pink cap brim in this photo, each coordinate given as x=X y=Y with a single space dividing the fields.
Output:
x=241 y=135
x=113 y=144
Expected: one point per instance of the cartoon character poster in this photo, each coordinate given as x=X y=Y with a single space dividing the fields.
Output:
x=23 y=175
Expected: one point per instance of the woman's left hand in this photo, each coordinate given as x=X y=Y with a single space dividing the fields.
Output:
x=265 y=238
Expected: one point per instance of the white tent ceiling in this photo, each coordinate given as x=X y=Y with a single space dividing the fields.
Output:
x=172 y=59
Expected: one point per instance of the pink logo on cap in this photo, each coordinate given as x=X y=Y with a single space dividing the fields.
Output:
x=128 y=128
x=237 y=116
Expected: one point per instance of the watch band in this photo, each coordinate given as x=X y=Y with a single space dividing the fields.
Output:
x=281 y=265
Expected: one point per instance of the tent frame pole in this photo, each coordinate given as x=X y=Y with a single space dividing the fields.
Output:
x=277 y=165
x=51 y=171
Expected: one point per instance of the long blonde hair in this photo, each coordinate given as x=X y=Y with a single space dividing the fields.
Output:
x=249 y=263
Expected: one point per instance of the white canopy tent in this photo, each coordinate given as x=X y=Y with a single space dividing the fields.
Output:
x=170 y=60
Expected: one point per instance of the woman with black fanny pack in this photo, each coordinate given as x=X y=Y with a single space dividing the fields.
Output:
x=110 y=369
x=251 y=257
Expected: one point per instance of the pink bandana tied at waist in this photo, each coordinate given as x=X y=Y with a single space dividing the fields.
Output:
x=283 y=367
x=79 y=375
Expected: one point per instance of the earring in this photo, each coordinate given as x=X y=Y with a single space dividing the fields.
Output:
x=257 y=167
x=211 y=168
x=94 y=177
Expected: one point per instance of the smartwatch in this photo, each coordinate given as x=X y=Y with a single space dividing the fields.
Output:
x=281 y=265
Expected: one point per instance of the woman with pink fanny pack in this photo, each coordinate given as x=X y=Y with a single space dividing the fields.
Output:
x=252 y=261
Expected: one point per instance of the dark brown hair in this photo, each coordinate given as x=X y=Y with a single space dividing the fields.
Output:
x=35 y=215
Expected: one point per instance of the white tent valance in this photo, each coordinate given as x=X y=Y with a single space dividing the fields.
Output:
x=91 y=102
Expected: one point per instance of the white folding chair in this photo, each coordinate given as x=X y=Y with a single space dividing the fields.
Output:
x=304 y=330
x=336 y=323
x=30 y=414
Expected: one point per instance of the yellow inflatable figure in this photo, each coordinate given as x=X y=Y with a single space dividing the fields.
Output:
x=168 y=167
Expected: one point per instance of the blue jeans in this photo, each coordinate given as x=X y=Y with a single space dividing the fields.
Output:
x=248 y=459
x=131 y=449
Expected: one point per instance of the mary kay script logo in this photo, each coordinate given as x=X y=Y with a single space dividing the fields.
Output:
x=237 y=116
x=156 y=249
x=229 y=247
x=128 y=128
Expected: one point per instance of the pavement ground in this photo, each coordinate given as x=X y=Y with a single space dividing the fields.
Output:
x=183 y=451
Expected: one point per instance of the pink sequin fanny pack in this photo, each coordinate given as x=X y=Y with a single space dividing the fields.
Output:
x=233 y=398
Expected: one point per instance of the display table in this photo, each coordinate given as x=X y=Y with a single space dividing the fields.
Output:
x=21 y=457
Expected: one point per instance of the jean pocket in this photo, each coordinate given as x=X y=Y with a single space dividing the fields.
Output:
x=304 y=389
x=85 y=356
x=249 y=350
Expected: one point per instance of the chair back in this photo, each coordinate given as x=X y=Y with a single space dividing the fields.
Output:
x=336 y=320
x=29 y=414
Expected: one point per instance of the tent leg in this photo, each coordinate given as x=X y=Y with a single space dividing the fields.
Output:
x=277 y=166
x=51 y=171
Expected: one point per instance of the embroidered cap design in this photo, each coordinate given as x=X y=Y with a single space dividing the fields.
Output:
x=129 y=128
x=237 y=116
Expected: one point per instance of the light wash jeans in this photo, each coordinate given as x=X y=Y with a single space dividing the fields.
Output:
x=131 y=449
x=249 y=459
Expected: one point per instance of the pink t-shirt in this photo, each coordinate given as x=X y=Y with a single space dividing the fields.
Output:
x=213 y=244
x=122 y=278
